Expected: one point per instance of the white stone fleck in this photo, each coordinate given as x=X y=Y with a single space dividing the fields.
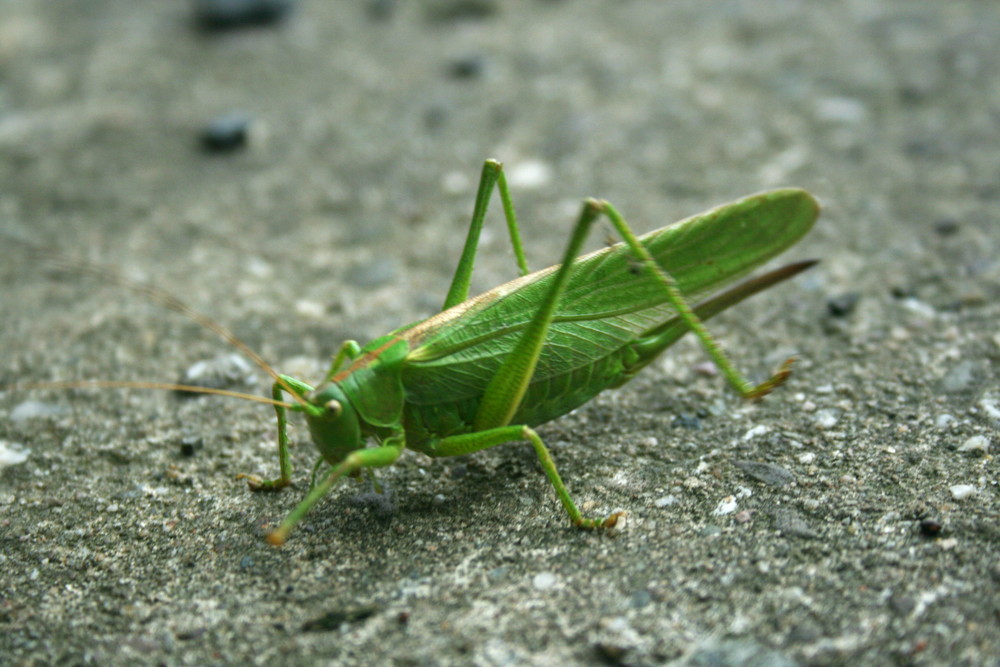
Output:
x=963 y=491
x=12 y=453
x=309 y=308
x=455 y=183
x=826 y=418
x=665 y=501
x=529 y=174
x=760 y=429
x=977 y=443
x=543 y=581
x=726 y=506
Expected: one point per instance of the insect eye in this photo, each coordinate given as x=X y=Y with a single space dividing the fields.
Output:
x=333 y=408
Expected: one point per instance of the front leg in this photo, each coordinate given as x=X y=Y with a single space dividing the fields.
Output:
x=374 y=457
x=284 y=458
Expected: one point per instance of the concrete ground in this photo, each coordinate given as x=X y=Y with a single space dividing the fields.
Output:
x=850 y=518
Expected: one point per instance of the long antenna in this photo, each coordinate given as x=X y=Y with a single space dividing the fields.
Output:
x=129 y=384
x=167 y=300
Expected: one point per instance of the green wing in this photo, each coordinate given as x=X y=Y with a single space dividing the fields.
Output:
x=609 y=301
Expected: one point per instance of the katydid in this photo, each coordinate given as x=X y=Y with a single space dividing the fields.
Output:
x=488 y=369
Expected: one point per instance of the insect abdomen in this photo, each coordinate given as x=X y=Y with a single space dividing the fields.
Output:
x=544 y=401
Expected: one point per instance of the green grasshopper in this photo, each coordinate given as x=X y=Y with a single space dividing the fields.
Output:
x=486 y=370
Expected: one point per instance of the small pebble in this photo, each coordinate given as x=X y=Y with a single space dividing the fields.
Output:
x=310 y=308
x=726 y=506
x=529 y=174
x=686 y=420
x=706 y=368
x=12 y=453
x=842 y=305
x=827 y=418
x=930 y=527
x=963 y=491
x=945 y=420
x=468 y=67
x=768 y=473
x=759 y=429
x=665 y=501
x=229 y=14
x=641 y=598
x=36 y=409
x=946 y=227
x=191 y=445
x=543 y=581
x=901 y=291
x=792 y=523
x=977 y=443
x=990 y=406
x=226 y=133
x=960 y=377
x=841 y=109
x=920 y=308
x=459 y=10
x=222 y=372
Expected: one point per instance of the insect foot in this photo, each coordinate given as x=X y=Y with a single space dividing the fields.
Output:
x=772 y=383
x=592 y=524
x=255 y=483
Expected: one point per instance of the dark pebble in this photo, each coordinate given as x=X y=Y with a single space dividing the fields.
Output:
x=843 y=304
x=792 y=524
x=191 y=445
x=611 y=654
x=469 y=67
x=641 y=598
x=946 y=227
x=685 y=420
x=229 y=14
x=187 y=635
x=226 y=133
x=334 y=619
x=381 y=504
x=768 y=473
x=458 y=10
x=930 y=527
x=902 y=605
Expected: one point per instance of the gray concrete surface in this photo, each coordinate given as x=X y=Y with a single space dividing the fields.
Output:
x=343 y=217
